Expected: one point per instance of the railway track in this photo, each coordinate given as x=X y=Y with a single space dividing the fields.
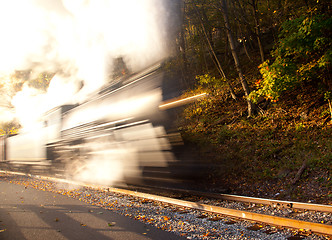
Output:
x=259 y=218
x=254 y=200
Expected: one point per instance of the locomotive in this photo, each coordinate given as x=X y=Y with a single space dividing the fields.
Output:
x=123 y=133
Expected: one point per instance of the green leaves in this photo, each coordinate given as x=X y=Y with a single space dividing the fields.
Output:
x=328 y=95
x=209 y=82
x=276 y=78
x=303 y=53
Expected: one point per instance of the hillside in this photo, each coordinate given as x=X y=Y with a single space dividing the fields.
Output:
x=266 y=124
x=264 y=155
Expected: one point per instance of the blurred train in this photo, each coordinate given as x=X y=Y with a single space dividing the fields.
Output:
x=124 y=132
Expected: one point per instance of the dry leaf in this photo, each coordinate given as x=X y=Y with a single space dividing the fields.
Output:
x=111 y=224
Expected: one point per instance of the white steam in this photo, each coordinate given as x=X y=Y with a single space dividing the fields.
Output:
x=77 y=39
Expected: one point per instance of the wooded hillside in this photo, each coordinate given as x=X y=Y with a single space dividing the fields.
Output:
x=266 y=66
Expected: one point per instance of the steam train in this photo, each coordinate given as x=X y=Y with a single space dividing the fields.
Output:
x=124 y=132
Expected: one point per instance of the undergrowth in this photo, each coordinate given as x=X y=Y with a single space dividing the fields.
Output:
x=268 y=148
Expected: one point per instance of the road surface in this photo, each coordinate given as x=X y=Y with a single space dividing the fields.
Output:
x=27 y=213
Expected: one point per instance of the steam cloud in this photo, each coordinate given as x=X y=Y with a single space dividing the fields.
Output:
x=77 y=39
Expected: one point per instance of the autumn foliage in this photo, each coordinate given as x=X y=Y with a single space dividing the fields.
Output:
x=291 y=89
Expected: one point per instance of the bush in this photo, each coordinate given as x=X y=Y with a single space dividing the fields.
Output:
x=303 y=54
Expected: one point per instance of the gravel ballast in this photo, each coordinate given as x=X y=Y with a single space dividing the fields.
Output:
x=191 y=224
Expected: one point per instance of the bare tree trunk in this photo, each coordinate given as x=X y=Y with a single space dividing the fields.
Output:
x=183 y=51
x=257 y=30
x=330 y=106
x=202 y=45
x=242 y=14
x=240 y=32
x=215 y=57
x=244 y=42
x=251 y=106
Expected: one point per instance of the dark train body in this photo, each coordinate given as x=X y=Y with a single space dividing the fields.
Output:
x=119 y=134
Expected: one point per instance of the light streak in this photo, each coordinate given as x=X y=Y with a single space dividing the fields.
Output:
x=180 y=102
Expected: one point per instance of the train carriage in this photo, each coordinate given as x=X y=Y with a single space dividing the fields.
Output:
x=118 y=134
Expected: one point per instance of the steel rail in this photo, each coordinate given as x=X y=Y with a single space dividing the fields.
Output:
x=279 y=221
x=295 y=205
x=268 y=219
x=280 y=203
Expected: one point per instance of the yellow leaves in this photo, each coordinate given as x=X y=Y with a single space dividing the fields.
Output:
x=144 y=218
x=151 y=220
x=302 y=232
x=140 y=217
x=145 y=201
x=165 y=218
x=197 y=110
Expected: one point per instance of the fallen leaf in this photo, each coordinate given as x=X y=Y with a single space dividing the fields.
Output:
x=111 y=224
x=206 y=234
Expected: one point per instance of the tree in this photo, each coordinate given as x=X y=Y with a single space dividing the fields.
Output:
x=257 y=28
x=214 y=55
x=10 y=85
x=302 y=55
x=245 y=86
x=8 y=128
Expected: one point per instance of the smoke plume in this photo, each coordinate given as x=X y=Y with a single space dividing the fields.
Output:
x=77 y=40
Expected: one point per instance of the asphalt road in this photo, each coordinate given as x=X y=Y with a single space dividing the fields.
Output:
x=27 y=213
